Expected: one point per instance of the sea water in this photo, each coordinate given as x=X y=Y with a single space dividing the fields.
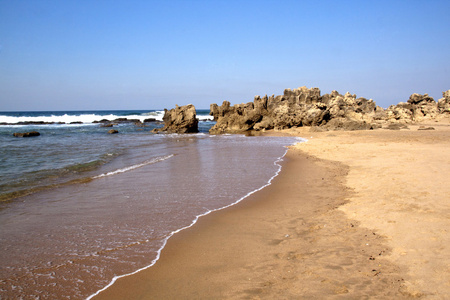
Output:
x=81 y=207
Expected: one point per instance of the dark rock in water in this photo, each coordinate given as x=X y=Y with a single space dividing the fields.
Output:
x=34 y=123
x=121 y=120
x=26 y=134
x=179 y=120
x=113 y=131
x=149 y=120
x=101 y=121
x=107 y=125
x=76 y=122
x=126 y=120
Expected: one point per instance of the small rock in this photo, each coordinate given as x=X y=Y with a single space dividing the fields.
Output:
x=26 y=134
x=425 y=128
x=113 y=131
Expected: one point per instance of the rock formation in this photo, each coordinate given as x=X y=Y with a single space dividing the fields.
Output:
x=298 y=107
x=417 y=108
x=180 y=120
x=444 y=103
x=306 y=107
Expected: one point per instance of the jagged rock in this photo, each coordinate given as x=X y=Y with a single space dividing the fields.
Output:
x=179 y=120
x=306 y=107
x=297 y=107
x=113 y=131
x=444 y=103
x=26 y=134
x=416 y=109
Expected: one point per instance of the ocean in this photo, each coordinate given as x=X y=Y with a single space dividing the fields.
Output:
x=80 y=207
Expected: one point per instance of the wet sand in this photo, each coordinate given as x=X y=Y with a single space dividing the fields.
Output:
x=352 y=215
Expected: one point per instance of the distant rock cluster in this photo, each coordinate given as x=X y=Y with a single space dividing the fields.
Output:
x=306 y=107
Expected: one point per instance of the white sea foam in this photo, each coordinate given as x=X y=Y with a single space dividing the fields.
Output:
x=269 y=182
x=148 y=162
x=84 y=118
x=88 y=117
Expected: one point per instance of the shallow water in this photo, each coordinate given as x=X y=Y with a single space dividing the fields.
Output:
x=72 y=240
x=65 y=152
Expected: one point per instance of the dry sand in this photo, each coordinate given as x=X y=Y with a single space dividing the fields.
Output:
x=352 y=215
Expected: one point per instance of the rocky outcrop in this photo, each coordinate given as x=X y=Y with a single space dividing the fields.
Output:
x=306 y=107
x=444 y=103
x=26 y=134
x=417 y=108
x=180 y=120
x=298 y=107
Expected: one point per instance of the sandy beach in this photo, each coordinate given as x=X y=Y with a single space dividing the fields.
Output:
x=352 y=215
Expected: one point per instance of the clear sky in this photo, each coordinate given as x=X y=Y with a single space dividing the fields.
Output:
x=84 y=55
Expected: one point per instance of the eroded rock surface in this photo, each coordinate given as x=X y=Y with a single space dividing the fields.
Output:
x=307 y=107
x=181 y=119
x=298 y=107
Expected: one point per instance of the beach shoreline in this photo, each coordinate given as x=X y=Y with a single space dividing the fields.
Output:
x=325 y=227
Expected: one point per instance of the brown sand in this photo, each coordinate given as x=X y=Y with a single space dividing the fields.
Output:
x=353 y=215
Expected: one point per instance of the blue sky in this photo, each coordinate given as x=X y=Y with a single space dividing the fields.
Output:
x=84 y=55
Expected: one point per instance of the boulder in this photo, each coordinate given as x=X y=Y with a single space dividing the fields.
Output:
x=417 y=108
x=181 y=119
x=113 y=131
x=26 y=134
